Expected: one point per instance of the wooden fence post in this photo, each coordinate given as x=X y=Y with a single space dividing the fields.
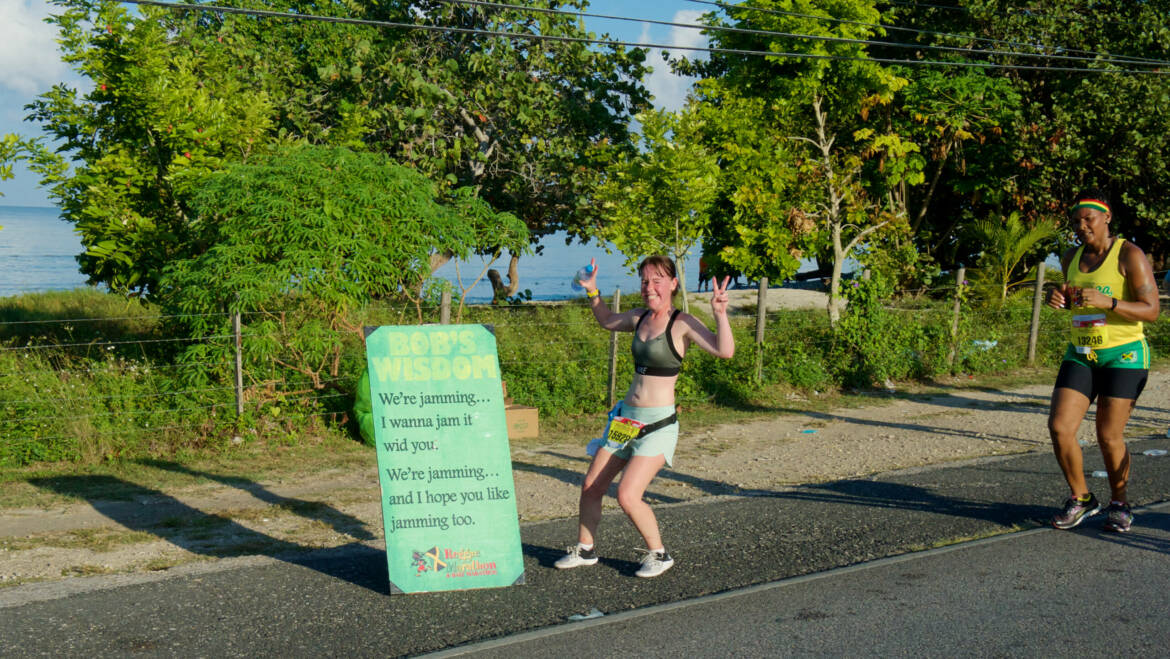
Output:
x=960 y=280
x=613 y=341
x=761 y=316
x=1037 y=297
x=239 y=365
x=445 y=307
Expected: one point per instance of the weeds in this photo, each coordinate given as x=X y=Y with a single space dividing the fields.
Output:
x=82 y=383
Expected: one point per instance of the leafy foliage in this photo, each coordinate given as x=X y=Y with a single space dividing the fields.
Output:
x=32 y=152
x=658 y=200
x=177 y=94
x=301 y=236
x=67 y=400
x=1042 y=135
x=757 y=229
x=1006 y=243
x=816 y=107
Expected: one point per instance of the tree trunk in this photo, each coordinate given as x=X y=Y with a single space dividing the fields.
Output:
x=439 y=259
x=498 y=287
x=925 y=204
x=825 y=143
x=835 y=281
x=500 y=291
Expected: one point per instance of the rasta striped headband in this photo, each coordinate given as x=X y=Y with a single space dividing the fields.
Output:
x=1095 y=204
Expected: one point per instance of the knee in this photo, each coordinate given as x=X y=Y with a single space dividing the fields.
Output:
x=1059 y=428
x=1113 y=442
x=629 y=499
x=592 y=491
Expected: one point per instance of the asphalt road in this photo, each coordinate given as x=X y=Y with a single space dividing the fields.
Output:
x=1033 y=593
x=1029 y=594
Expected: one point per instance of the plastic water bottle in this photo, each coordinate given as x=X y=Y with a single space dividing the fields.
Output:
x=582 y=274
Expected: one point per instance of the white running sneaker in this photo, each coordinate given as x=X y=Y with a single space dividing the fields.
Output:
x=576 y=557
x=655 y=563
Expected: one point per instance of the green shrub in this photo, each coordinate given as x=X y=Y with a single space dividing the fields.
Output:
x=122 y=394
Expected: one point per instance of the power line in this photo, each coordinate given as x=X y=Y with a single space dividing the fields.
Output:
x=791 y=35
x=1024 y=11
x=779 y=12
x=630 y=44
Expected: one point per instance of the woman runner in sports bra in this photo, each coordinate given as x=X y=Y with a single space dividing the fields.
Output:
x=1110 y=288
x=662 y=335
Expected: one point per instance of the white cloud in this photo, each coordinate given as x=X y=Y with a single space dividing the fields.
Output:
x=670 y=90
x=29 y=59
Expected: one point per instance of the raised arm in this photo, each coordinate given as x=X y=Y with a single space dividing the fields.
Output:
x=720 y=343
x=614 y=322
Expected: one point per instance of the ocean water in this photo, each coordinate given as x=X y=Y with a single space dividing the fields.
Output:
x=38 y=250
x=549 y=274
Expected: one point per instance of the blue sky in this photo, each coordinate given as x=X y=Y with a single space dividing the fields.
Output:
x=30 y=64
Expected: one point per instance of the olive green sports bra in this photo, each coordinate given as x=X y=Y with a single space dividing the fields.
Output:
x=658 y=355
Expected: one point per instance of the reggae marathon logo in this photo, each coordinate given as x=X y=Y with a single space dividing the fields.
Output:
x=452 y=562
x=427 y=561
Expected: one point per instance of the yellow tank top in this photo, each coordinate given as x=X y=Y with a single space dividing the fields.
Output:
x=1094 y=328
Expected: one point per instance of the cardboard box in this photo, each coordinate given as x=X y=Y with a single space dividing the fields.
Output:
x=523 y=421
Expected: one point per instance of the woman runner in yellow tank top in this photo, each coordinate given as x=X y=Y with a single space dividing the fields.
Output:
x=1110 y=289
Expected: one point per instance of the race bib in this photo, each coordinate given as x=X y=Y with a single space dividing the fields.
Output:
x=1089 y=331
x=623 y=430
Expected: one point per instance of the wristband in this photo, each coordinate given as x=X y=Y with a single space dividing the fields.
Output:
x=1114 y=307
x=592 y=294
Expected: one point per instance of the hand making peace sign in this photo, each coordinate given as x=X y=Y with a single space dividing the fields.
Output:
x=719 y=296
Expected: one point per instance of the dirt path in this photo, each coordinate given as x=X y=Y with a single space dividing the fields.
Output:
x=157 y=531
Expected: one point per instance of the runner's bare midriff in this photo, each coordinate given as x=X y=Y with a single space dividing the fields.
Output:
x=651 y=391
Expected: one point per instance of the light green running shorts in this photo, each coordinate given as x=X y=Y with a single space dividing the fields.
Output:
x=660 y=442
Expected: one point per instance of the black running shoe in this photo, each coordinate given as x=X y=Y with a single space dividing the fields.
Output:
x=1118 y=517
x=1075 y=511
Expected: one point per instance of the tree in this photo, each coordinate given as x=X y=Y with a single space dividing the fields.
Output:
x=959 y=119
x=167 y=105
x=659 y=199
x=1064 y=131
x=14 y=149
x=821 y=102
x=517 y=118
x=302 y=235
x=1006 y=242
x=757 y=229
x=180 y=93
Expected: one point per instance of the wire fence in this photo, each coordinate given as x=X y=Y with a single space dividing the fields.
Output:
x=58 y=390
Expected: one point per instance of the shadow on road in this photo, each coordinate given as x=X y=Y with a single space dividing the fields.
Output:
x=151 y=511
x=314 y=510
x=899 y=496
x=1142 y=535
x=574 y=478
